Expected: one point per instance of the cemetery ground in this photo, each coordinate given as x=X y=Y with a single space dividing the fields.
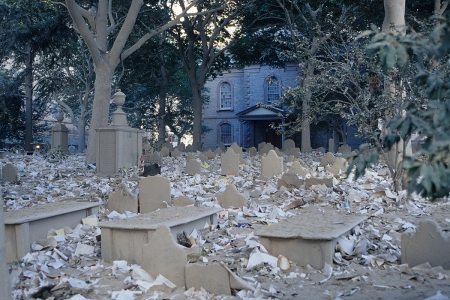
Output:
x=366 y=262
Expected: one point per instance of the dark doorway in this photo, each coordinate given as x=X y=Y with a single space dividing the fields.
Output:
x=272 y=137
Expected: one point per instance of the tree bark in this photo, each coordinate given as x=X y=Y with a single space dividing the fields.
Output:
x=394 y=16
x=29 y=100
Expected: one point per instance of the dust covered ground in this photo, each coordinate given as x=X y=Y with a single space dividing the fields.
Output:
x=366 y=266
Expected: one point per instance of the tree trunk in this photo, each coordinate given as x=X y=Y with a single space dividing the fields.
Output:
x=306 y=130
x=161 y=114
x=100 y=108
x=29 y=101
x=197 y=112
x=394 y=15
x=82 y=130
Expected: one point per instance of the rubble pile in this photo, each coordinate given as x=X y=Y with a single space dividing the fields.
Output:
x=366 y=261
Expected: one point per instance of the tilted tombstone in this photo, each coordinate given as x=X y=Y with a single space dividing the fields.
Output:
x=277 y=151
x=271 y=165
x=230 y=162
x=340 y=164
x=9 y=173
x=290 y=180
x=193 y=167
x=154 y=193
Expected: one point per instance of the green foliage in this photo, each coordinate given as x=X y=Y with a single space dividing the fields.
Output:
x=428 y=168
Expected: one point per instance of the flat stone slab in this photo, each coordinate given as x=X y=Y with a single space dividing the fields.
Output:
x=26 y=225
x=124 y=239
x=308 y=238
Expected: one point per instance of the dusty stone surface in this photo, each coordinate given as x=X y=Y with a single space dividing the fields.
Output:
x=428 y=245
x=182 y=201
x=231 y=198
x=230 y=162
x=164 y=151
x=290 y=180
x=213 y=277
x=154 y=193
x=340 y=164
x=193 y=167
x=271 y=164
x=123 y=200
x=9 y=173
x=318 y=181
x=328 y=159
x=297 y=168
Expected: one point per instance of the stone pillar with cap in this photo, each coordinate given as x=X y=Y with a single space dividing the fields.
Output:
x=60 y=136
x=118 y=145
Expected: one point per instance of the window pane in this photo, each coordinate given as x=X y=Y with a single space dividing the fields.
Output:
x=225 y=133
x=273 y=90
x=225 y=95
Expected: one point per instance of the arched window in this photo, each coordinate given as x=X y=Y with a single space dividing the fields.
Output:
x=225 y=133
x=272 y=90
x=225 y=96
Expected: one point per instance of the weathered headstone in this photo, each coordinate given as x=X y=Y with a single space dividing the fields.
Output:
x=260 y=146
x=164 y=152
x=277 y=151
x=230 y=163
x=181 y=147
x=236 y=149
x=5 y=288
x=294 y=152
x=154 y=193
x=344 y=149
x=290 y=180
x=60 y=136
x=203 y=157
x=340 y=164
x=221 y=146
x=210 y=154
x=328 y=159
x=288 y=144
x=213 y=278
x=182 y=201
x=231 y=198
x=193 y=167
x=265 y=150
x=148 y=150
x=189 y=148
x=317 y=181
x=252 y=151
x=218 y=151
x=297 y=168
x=189 y=157
x=168 y=145
x=320 y=149
x=331 y=145
x=9 y=173
x=155 y=158
x=122 y=200
x=271 y=165
x=162 y=255
x=176 y=153
x=290 y=158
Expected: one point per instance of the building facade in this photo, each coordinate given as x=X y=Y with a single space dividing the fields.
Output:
x=239 y=108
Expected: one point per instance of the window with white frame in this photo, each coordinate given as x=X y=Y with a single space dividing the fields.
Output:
x=273 y=90
x=225 y=134
x=225 y=96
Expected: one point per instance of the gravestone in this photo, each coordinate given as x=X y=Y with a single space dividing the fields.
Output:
x=181 y=147
x=148 y=150
x=428 y=244
x=230 y=163
x=260 y=146
x=122 y=200
x=182 y=201
x=155 y=158
x=214 y=278
x=288 y=144
x=297 y=168
x=277 y=151
x=193 y=167
x=320 y=149
x=189 y=148
x=60 y=136
x=317 y=181
x=331 y=145
x=221 y=146
x=295 y=152
x=210 y=154
x=265 y=150
x=344 y=149
x=189 y=157
x=218 y=151
x=271 y=165
x=236 y=149
x=290 y=158
x=9 y=173
x=252 y=151
x=231 y=198
x=328 y=159
x=164 y=152
x=154 y=193
x=151 y=170
x=290 y=180
x=5 y=288
x=118 y=146
x=340 y=164
x=168 y=145
x=203 y=157
x=176 y=153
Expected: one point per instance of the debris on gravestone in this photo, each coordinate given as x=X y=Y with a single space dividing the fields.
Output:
x=164 y=152
x=252 y=151
x=340 y=164
x=318 y=181
x=231 y=198
x=9 y=173
x=428 y=244
x=290 y=180
x=193 y=167
x=155 y=158
x=328 y=159
x=214 y=278
x=154 y=193
x=230 y=163
x=162 y=255
x=297 y=168
x=151 y=170
x=345 y=149
x=288 y=144
x=182 y=201
x=175 y=153
x=123 y=200
x=210 y=154
x=271 y=165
